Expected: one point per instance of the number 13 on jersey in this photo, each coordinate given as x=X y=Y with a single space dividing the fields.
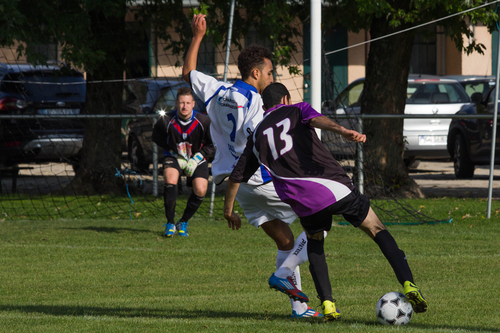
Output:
x=283 y=136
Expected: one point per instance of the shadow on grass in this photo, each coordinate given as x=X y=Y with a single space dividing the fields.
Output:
x=112 y=229
x=165 y=313
x=176 y=313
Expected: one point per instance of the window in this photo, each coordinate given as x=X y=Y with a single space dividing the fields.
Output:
x=48 y=51
x=350 y=96
x=423 y=55
x=166 y=102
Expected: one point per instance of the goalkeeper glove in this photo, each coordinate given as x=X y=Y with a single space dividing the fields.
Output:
x=193 y=163
x=182 y=162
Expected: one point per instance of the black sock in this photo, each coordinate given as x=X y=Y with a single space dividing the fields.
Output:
x=169 y=200
x=319 y=269
x=394 y=255
x=192 y=206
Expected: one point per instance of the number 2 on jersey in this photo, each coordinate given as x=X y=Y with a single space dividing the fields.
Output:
x=232 y=135
x=284 y=136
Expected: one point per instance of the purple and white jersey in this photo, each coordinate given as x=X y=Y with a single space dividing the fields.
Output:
x=304 y=173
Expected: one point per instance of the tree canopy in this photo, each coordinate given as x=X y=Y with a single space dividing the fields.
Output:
x=95 y=35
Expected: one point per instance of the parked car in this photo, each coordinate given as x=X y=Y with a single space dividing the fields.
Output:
x=475 y=84
x=470 y=140
x=40 y=90
x=149 y=96
x=425 y=138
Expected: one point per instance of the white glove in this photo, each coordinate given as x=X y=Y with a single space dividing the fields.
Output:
x=182 y=162
x=193 y=163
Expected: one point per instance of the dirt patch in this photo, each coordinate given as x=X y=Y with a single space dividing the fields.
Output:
x=437 y=179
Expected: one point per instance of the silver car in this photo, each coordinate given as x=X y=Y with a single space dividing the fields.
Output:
x=425 y=138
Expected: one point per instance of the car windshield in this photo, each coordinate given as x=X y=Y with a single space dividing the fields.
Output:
x=435 y=93
x=474 y=87
x=350 y=96
x=43 y=84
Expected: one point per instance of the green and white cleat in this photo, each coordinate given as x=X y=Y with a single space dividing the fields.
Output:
x=415 y=297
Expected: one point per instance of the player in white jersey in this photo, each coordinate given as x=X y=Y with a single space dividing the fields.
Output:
x=234 y=111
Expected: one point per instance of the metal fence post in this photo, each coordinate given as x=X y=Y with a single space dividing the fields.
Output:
x=155 y=166
x=360 y=159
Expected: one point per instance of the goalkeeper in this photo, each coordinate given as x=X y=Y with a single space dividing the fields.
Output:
x=185 y=136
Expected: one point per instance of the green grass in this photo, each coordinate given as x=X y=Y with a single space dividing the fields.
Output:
x=103 y=275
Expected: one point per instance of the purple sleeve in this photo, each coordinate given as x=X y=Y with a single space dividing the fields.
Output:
x=308 y=112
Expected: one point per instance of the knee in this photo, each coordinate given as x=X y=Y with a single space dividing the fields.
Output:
x=200 y=192
x=285 y=244
x=319 y=236
x=372 y=229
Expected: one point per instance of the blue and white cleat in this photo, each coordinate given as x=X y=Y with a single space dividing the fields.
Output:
x=182 y=229
x=309 y=313
x=287 y=286
x=169 y=229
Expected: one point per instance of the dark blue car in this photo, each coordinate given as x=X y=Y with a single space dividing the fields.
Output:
x=40 y=90
x=470 y=140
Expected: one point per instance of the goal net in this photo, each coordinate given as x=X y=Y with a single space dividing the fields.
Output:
x=41 y=142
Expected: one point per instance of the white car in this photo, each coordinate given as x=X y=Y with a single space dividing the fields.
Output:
x=425 y=138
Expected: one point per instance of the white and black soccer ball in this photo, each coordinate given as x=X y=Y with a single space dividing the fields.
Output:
x=394 y=309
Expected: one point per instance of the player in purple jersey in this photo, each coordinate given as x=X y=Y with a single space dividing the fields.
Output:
x=286 y=144
x=185 y=136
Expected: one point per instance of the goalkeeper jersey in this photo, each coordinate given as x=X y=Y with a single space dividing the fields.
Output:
x=304 y=173
x=183 y=137
x=234 y=111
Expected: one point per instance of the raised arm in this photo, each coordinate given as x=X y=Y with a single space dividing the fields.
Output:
x=325 y=123
x=199 y=27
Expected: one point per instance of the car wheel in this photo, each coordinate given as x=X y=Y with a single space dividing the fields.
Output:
x=411 y=163
x=75 y=162
x=136 y=155
x=461 y=159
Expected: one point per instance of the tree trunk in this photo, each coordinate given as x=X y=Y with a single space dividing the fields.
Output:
x=101 y=151
x=384 y=92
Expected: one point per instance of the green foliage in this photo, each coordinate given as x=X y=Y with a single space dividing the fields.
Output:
x=358 y=15
x=271 y=21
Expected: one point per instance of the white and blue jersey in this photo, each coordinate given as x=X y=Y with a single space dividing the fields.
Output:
x=234 y=111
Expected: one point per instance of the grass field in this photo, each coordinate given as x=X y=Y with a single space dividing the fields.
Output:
x=103 y=275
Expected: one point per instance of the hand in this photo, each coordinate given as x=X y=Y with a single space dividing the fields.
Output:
x=233 y=220
x=182 y=162
x=199 y=26
x=354 y=136
x=192 y=164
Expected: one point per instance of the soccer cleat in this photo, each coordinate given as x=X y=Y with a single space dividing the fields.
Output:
x=330 y=312
x=182 y=229
x=169 y=229
x=309 y=313
x=287 y=286
x=415 y=297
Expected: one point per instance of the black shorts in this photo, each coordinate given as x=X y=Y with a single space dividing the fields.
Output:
x=354 y=208
x=201 y=170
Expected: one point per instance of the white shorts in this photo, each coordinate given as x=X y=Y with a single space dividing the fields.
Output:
x=262 y=204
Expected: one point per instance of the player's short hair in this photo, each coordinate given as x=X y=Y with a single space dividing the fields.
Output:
x=272 y=95
x=184 y=91
x=252 y=57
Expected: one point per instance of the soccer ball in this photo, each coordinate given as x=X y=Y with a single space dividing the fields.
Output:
x=394 y=309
